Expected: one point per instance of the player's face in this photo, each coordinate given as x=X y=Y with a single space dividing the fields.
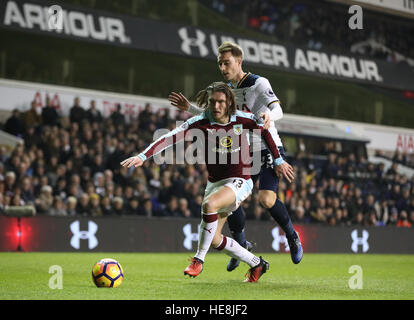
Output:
x=217 y=104
x=229 y=66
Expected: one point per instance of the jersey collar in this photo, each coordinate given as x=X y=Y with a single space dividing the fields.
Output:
x=231 y=85
x=242 y=79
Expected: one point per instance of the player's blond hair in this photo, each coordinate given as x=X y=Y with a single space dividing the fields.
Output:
x=234 y=48
x=203 y=95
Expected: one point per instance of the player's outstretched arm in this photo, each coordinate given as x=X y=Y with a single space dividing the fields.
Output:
x=132 y=161
x=162 y=143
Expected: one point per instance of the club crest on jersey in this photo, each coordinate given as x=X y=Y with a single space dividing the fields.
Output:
x=238 y=129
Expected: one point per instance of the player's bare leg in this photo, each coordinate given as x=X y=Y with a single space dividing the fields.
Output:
x=222 y=198
x=258 y=266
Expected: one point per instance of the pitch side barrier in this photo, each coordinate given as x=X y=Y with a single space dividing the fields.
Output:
x=140 y=234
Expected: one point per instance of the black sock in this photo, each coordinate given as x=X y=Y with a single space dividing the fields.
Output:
x=281 y=216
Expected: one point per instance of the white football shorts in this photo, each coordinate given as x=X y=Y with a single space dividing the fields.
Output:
x=242 y=188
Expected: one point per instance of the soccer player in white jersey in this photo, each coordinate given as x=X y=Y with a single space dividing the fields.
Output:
x=254 y=94
x=229 y=181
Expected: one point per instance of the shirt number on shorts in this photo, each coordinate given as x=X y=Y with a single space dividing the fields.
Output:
x=238 y=183
x=269 y=160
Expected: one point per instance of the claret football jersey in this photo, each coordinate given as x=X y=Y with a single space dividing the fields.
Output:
x=225 y=146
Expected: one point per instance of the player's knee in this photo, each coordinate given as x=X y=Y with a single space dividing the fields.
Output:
x=267 y=200
x=210 y=206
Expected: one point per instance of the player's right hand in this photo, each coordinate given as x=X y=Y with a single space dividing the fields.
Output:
x=179 y=101
x=285 y=170
x=266 y=120
x=132 y=161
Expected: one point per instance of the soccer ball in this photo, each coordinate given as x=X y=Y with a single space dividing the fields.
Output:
x=107 y=273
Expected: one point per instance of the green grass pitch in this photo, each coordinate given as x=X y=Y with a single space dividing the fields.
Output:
x=159 y=276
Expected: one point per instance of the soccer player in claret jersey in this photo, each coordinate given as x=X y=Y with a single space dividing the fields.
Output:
x=227 y=156
x=254 y=94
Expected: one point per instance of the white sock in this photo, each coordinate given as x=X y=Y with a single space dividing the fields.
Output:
x=208 y=228
x=235 y=250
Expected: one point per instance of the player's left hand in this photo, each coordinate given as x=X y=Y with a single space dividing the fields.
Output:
x=286 y=171
x=132 y=161
x=266 y=120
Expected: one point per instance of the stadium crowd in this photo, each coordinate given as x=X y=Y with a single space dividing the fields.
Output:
x=70 y=165
x=316 y=24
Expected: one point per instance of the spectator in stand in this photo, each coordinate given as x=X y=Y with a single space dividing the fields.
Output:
x=106 y=205
x=318 y=215
x=93 y=114
x=77 y=113
x=331 y=168
x=45 y=201
x=132 y=206
x=393 y=220
x=359 y=219
x=15 y=125
x=195 y=205
x=118 y=206
x=400 y=158
x=403 y=203
x=16 y=200
x=371 y=219
x=403 y=220
x=31 y=117
x=71 y=204
x=172 y=208
x=382 y=211
x=145 y=117
x=117 y=117
x=392 y=172
x=82 y=207
x=369 y=204
x=299 y=215
x=50 y=116
x=148 y=210
x=9 y=183
x=183 y=210
x=58 y=208
x=27 y=191
x=95 y=205
x=165 y=192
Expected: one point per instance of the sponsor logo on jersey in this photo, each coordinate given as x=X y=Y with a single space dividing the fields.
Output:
x=226 y=142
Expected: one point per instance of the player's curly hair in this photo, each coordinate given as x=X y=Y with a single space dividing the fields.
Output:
x=203 y=95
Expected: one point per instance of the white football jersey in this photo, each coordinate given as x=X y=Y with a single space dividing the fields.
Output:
x=255 y=94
